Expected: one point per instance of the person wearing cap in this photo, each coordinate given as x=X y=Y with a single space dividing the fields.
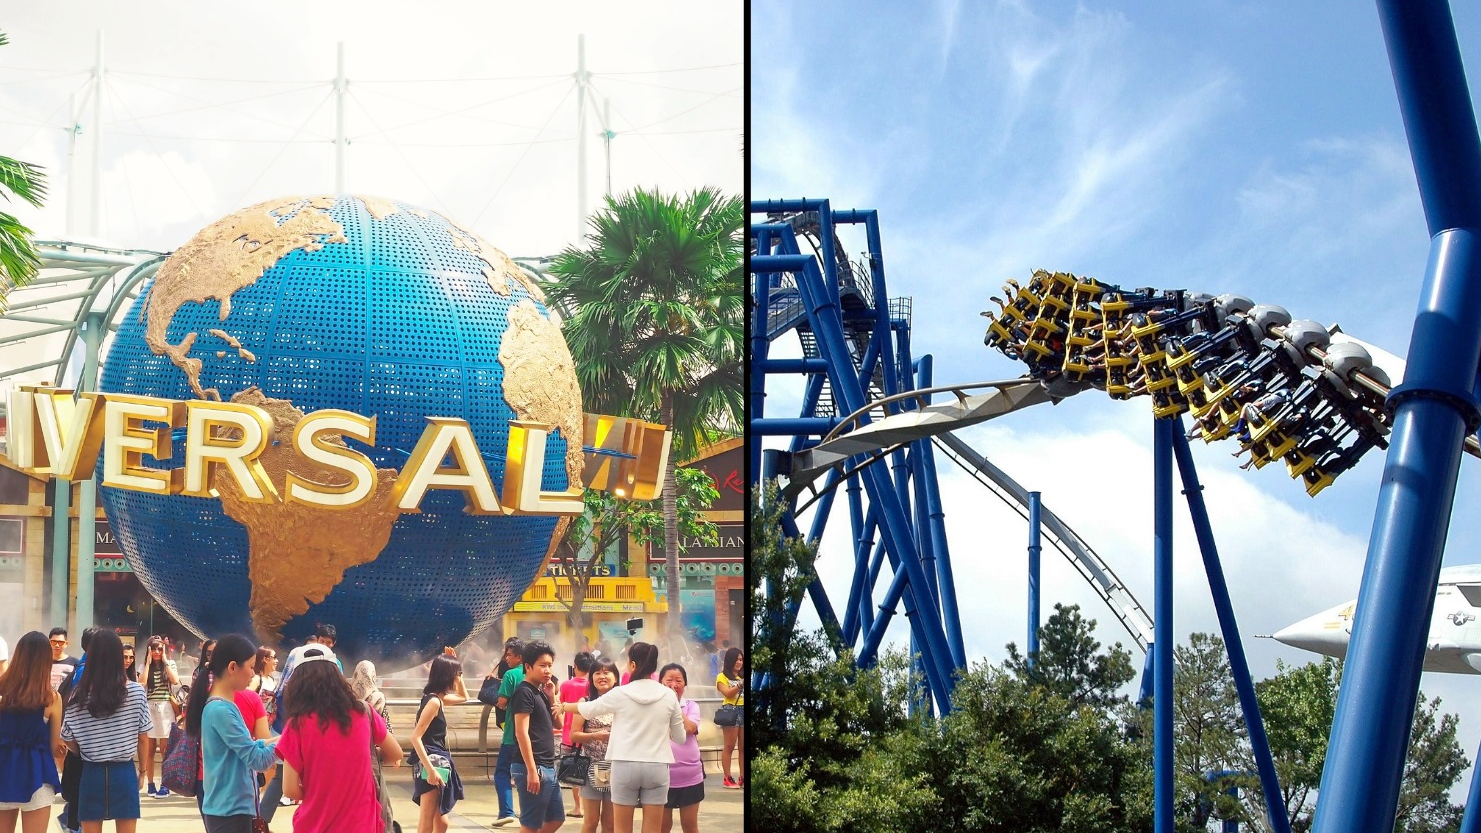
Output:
x=323 y=639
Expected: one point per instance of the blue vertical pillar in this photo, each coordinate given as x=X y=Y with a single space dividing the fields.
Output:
x=1239 y=666
x=1034 y=509
x=1471 y=821
x=760 y=348
x=1162 y=668
x=87 y=491
x=1433 y=410
x=61 y=552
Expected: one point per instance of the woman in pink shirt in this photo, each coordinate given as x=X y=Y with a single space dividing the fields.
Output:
x=325 y=749
x=572 y=690
x=686 y=773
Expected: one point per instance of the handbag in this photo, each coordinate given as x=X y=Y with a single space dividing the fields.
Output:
x=601 y=775
x=729 y=715
x=388 y=823
x=182 y=764
x=259 y=824
x=574 y=767
x=488 y=693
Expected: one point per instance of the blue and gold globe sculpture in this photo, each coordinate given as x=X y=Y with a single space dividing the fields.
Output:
x=370 y=306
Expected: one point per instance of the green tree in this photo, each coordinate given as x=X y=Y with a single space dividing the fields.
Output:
x=19 y=260
x=1434 y=763
x=1210 y=734
x=1017 y=755
x=1297 y=705
x=833 y=747
x=1070 y=662
x=655 y=321
x=608 y=520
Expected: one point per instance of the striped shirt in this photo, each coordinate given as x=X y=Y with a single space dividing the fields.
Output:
x=111 y=738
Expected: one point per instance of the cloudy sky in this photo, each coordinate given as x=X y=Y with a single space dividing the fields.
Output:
x=1219 y=146
x=466 y=108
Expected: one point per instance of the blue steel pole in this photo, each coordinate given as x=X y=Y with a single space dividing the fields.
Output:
x=1433 y=410
x=827 y=254
x=760 y=347
x=1034 y=507
x=1162 y=669
x=859 y=586
x=1471 y=821
x=1275 y=803
x=881 y=300
x=951 y=617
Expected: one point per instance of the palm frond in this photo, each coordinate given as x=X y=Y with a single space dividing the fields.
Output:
x=22 y=179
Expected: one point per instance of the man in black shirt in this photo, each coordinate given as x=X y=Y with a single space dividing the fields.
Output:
x=541 y=807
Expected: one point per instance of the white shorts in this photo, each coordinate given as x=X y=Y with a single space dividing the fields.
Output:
x=639 y=782
x=43 y=797
x=164 y=716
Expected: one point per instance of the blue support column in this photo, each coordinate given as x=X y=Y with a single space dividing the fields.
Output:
x=1433 y=410
x=1275 y=803
x=857 y=586
x=61 y=552
x=1471 y=821
x=87 y=491
x=760 y=348
x=1032 y=646
x=930 y=492
x=1162 y=668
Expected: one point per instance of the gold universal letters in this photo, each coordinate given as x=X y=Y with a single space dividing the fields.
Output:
x=54 y=434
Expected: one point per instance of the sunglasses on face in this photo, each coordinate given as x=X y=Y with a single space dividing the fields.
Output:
x=59 y=642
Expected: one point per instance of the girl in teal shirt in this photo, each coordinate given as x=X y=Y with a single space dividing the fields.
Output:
x=230 y=755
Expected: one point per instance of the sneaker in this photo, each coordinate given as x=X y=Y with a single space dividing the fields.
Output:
x=503 y=821
x=285 y=801
x=164 y=792
x=730 y=784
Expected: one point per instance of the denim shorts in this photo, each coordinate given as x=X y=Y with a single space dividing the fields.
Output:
x=538 y=809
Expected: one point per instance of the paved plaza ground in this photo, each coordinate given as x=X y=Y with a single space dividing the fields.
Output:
x=723 y=811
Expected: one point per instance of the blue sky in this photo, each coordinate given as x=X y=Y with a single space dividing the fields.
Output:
x=1250 y=147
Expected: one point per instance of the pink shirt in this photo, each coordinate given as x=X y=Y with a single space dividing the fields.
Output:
x=571 y=690
x=249 y=703
x=686 y=770
x=335 y=770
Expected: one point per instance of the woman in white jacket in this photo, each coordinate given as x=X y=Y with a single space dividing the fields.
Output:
x=645 y=718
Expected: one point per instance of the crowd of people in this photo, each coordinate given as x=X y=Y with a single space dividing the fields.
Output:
x=244 y=739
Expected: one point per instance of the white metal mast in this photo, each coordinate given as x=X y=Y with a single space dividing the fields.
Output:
x=581 y=79
x=341 y=86
x=607 y=136
x=84 y=163
x=95 y=211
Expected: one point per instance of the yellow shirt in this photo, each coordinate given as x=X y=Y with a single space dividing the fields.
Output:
x=740 y=696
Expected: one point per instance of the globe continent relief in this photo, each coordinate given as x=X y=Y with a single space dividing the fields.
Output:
x=372 y=306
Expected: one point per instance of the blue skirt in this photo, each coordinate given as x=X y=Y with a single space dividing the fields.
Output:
x=109 y=791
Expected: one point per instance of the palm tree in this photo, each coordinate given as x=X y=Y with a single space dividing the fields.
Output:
x=654 y=316
x=18 y=259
